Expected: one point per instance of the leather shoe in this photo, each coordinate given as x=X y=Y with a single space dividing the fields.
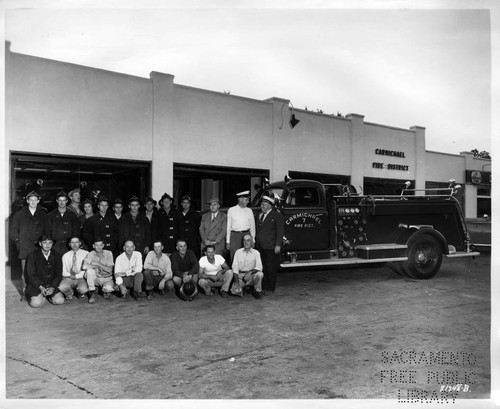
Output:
x=257 y=295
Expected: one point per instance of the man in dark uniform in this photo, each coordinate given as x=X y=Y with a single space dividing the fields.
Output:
x=189 y=226
x=118 y=209
x=44 y=274
x=135 y=226
x=63 y=224
x=269 y=239
x=165 y=224
x=26 y=227
x=104 y=225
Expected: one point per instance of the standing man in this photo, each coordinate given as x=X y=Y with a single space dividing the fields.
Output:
x=72 y=270
x=26 y=228
x=98 y=266
x=63 y=224
x=44 y=274
x=150 y=208
x=135 y=226
x=128 y=270
x=74 y=206
x=103 y=225
x=270 y=230
x=185 y=266
x=118 y=209
x=247 y=267
x=240 y=221
x=213 y=227
x=214 y=272
x=165 y=224
x=157 y=271
x=189 y=226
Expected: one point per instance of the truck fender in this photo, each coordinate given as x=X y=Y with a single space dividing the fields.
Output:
x=414 y=233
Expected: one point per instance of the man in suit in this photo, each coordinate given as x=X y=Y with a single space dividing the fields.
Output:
x=269 y=239
x=213 y=227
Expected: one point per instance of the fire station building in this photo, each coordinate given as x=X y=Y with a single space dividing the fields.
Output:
x=72 y=126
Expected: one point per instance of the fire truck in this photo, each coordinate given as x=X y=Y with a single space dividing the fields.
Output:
x=333 y=224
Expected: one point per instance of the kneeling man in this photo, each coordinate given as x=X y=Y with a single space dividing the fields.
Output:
x=157 y=271
x=98 y=266
x=214 y=272
x=128 y=270
x=247 y=267
x=73 y=272
x=44 y=274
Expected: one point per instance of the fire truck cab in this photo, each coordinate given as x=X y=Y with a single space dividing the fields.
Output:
x=332 y=224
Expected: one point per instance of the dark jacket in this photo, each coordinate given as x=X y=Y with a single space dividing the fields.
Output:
x=189 y=229
x=270 y=232
x=188 y=263
x=40 y=271
x=105 y=228
x=62 y=228
x=138 y=230
x=26 y=229
x=165 y=228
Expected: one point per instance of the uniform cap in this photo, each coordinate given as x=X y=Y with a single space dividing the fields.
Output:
x=150 y=200
x=62 y=193
x=266 y=198
x=134 y=199
x=245 y=193
x=166 y=196
x=103 y=198
x=33 y=193
x=72 y=192
x=46 y=237
x=186 y=197
x=118 y=201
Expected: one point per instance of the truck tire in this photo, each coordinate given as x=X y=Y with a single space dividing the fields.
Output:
x=424 y=257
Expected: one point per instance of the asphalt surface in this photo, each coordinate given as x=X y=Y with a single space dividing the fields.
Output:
x=347 y=333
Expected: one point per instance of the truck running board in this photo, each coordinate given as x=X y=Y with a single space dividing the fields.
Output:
x=338 y=261
x=463 y=254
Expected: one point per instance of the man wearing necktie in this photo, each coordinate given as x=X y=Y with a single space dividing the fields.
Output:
x=269 y=239
x=213 y=227
x=72 y=271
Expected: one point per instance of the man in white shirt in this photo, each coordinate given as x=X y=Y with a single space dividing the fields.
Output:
x=240 y=221
x=128 y=270
x=98 y=266
x=214 y=272
x=157 y=271
x=247 y=267
x=72 y=270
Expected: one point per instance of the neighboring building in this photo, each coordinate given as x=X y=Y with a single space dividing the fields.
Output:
x=69 y=125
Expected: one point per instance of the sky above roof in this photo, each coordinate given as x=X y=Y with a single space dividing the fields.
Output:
x=396 y=66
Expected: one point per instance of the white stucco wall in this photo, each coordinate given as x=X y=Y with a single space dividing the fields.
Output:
x=60 y=108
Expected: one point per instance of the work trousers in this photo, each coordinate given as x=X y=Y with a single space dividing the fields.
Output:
x=68 y=285
x=134 y=281
x=270 y=262
x=255 y=281
x=93 y=280
x=206 y=283
x=236 y=241
x=38 y=300
x=153 y=281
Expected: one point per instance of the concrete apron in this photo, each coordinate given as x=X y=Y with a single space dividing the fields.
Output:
x=323 y=334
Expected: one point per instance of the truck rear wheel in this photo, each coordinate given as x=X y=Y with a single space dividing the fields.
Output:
x=424 y=257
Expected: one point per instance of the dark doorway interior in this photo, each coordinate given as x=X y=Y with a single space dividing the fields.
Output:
x=49 y=174
x=202 y=182
x=376 y=186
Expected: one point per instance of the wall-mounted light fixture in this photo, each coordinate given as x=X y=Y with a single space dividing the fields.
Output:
x=293 y=121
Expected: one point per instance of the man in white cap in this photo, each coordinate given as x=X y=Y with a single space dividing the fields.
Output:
x=270 y=230
x=240 y=221
x=213 y=227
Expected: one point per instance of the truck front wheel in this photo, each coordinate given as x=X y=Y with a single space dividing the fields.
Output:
x=424 y=257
